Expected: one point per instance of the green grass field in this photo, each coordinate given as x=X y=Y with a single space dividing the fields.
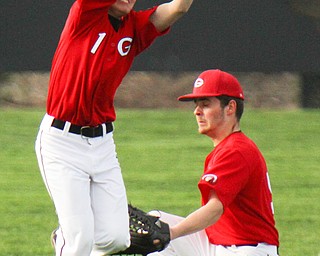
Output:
x=162 y=156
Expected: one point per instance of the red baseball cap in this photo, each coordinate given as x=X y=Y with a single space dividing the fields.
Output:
x=214 y=82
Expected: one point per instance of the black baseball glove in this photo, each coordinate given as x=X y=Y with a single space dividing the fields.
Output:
x=148 y=233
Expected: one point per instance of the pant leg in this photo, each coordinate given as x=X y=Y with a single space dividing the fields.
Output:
x=108 y=200
x=62 y=161
x=196 y=244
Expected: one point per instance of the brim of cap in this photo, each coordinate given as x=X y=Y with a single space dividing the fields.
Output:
x=191 y=97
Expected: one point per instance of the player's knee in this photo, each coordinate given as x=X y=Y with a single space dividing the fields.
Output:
x=120 y=244
x=121 y=241
x=118 y=241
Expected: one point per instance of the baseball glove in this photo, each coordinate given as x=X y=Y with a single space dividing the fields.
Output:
x=148 y=233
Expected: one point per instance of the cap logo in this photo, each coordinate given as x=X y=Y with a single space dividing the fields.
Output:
x=198 y=83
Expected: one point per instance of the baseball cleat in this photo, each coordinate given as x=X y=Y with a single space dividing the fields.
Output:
x=54 y=238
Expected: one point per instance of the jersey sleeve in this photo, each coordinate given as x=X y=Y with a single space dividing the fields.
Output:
x=146 y=31
x=226 y=174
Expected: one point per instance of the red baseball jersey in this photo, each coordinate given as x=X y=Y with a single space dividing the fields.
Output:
x=237 y=172
x=91 y=60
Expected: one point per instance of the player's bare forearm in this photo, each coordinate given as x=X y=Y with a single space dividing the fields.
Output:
x=200 y=219
x=168 y=13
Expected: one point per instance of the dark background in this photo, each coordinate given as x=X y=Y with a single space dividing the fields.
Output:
x=249 y=35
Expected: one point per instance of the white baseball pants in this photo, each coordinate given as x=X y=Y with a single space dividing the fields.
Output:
x=197 y=244
x=84 y=180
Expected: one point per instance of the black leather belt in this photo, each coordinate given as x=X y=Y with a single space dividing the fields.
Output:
x=86 y=131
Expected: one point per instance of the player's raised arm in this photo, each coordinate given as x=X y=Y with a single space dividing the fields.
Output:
x=168 y=13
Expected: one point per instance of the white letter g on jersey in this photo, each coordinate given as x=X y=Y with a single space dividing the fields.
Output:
x=124 y=46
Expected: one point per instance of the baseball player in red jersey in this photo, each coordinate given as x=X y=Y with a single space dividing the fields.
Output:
x=237 y=216
x=74 y=146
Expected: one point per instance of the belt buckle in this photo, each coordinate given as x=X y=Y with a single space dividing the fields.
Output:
x=82 y=129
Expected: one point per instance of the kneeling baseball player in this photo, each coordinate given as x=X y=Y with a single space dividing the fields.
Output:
x=237 y=216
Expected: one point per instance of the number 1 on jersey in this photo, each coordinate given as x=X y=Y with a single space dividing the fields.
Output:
x=98 y=42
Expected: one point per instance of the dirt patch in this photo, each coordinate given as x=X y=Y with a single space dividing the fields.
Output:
x=159 y=89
